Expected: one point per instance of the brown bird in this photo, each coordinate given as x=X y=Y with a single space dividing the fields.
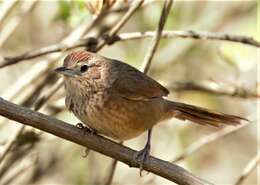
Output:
x=117 y=100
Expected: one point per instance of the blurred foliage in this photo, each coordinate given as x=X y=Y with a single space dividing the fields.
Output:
x=72 y=11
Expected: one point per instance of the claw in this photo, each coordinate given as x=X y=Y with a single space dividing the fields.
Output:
x=142 y=157
x=85 y=128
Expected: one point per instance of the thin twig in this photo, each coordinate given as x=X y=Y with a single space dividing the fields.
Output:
x=214 y=88
x=89 y=41
x=120 y=24
x=111 y=172
x=157 y=36
x=95 y=142
x=248 y=170
x=207 y=140
x=201 y=35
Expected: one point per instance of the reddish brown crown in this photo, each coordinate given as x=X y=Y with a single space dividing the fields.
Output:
x=76 y=57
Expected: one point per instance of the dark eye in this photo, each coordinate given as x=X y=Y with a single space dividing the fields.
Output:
x=83 y=68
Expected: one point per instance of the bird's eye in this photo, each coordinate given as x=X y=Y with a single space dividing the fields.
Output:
x=83 y=68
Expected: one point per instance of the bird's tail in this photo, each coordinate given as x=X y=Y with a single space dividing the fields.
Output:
x=200 y=115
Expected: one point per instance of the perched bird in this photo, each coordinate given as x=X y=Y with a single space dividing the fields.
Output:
x=118 y=101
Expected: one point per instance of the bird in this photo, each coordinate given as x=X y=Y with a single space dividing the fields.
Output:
x=117 y=100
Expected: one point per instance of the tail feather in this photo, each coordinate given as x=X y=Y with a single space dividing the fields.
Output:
x=201 y=115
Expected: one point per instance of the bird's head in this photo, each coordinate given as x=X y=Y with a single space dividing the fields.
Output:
x=81 y=64
x=83 y=71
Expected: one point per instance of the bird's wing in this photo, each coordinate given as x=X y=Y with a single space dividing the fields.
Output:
x=135 y=85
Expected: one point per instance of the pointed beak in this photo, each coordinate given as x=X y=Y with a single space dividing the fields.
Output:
x=66 y=72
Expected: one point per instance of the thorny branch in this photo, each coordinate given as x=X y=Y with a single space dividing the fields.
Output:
x=98 y=143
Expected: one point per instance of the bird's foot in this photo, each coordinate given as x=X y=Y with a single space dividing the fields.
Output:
x=86 y=129
x=142 y=156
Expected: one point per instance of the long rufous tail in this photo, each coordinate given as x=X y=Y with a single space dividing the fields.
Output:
x=200 y=115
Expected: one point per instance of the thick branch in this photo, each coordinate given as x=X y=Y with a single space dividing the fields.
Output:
x=98 y=143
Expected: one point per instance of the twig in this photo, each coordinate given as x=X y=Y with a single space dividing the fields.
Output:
x=87 y=42
x=201 y=35
x=6 y=8
x=90 y=41
x=207 y=140
x=98 y=143
x=112 y=170
x=157 y=36
x=119 y=25
x=111 y=173
x=248 y=170
x=214 y=88
x=8 y=29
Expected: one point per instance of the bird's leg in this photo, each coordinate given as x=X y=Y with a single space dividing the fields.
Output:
x=143 y=154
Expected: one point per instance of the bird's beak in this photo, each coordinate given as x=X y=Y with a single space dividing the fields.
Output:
x=66 y=72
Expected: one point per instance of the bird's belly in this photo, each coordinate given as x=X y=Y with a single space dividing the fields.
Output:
x=123 y=119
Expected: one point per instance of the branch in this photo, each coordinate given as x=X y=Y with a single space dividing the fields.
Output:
x=157 y=36
x=98 y=143
x=111 y=172
x=201 y=35
x=214 y=88
x=90 y=41
x=120 y=24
